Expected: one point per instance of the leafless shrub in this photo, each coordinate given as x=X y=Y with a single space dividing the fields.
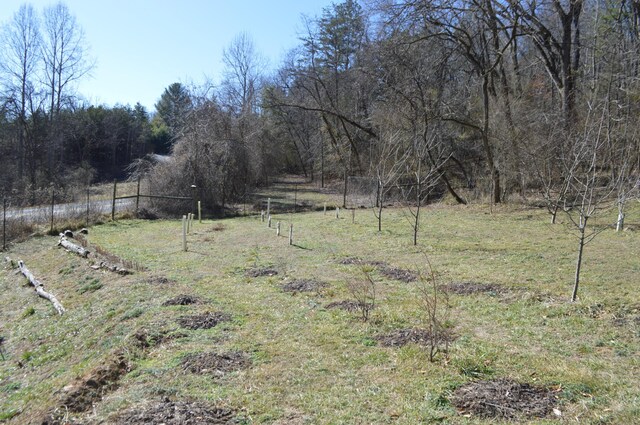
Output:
x=433 y=302
x=364 y=292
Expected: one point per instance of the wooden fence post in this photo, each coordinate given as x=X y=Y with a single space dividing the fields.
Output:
x=278 y=229
x=325 y=208
x=199 y=212
x=269 y=222
x=262 y=216
x=353 y=216
x=337 y=212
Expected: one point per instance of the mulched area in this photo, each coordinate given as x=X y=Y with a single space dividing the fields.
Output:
x=182 y=300
x=177 y=413
x=203 y=321
x=401 y=337
x=260 y=272
x=160 y=280
x=346 y=305
x=355 y=261
x=153 y=336
x=214 y=363
x=383 y=268
x=504 y=399
x=472 y=288
x=403 y=275
x=303 y=285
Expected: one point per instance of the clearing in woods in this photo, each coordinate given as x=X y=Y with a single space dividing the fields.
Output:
x=245 y=328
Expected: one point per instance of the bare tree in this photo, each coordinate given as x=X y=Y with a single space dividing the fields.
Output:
x=392 y=156
x=65 y=55
x=19 y=61
x=243 y=75
x=587 y=191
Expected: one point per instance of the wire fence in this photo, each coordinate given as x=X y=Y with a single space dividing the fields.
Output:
x=21 y=218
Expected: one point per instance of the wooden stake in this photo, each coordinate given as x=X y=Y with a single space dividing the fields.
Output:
x=262 y=216
x=291 y=234
x=268 y=207
x=353 y=216
x=337 y=212
x=278 y=229
x=184 y=233
x=269 y=222
x=325 y=208
x=199 y=212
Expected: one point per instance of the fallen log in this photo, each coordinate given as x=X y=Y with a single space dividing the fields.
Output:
x=71 y=247
x=40 y=287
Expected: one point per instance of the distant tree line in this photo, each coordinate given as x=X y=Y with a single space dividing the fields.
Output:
x=477 y=99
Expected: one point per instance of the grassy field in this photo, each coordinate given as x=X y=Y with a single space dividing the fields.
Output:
x=302 y=362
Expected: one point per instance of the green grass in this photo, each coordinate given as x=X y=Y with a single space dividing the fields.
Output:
x=325 y=366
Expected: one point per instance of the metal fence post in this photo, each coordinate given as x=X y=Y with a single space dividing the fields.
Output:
x=88 y=205
x=53 y=203
x=113 y=204
x=138 y=196
x=4 y=224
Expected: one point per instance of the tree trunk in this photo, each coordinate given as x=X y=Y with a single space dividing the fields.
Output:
x=69 y=246
x=40 y=288
x=574 y=295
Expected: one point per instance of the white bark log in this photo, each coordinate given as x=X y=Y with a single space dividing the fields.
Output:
x=40 y=288
x=71 y=247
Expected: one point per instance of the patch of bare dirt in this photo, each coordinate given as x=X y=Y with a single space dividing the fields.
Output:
x=177 y=413
x=203 y=321
x=217 y=228
x=472 y=288
x=303 y=285
x=80 y=395
x=260 y=272
x=401 y=337
x=346 y=305
x=395 y=273
x=504 y=399
x=214 y=363
x=182 y=300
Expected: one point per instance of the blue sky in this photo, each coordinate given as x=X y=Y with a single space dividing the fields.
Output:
x=142 y=46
